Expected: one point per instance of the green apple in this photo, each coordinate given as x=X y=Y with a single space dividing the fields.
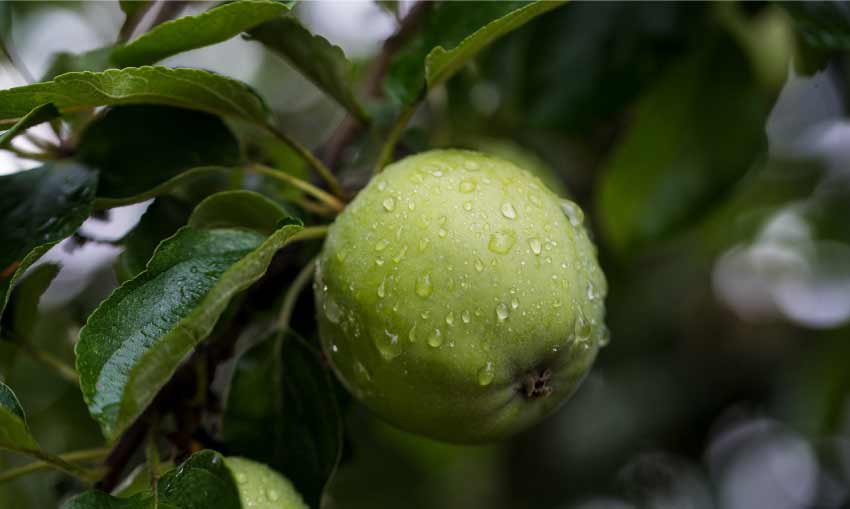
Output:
x=459 y=298
x=260 y=487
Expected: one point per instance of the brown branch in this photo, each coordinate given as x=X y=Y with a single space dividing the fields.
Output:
x=168 y=9
x=348 y=129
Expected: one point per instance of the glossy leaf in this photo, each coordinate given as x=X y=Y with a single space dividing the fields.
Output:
x=693 y=136
x=191 y=32
x=38 y=208
x=320 y=61
x=135 y=340
x=14 y=433
x=289 y=394
x=201 y=482
x=39 y=114
x=186 y=88
x=177 y=144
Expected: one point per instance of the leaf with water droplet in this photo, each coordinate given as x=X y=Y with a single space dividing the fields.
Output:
x=39 y=208
x=138 y=337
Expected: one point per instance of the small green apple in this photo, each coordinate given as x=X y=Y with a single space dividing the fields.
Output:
x=260 y=487
x=459 y=298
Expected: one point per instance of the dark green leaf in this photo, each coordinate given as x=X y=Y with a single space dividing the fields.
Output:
x=161 y=220
x=693 y=136
x=320 y=61
x=100 y=500
x=38 y=115
x=186 y=88
x=455 y=32
x=14 y=433
x=38 y=208
x=134 y=7
x=620 y=47
x=136 y=339
x=442 y=63
x=191 y=32
x=142 y=150
x=823 y=25
x=22 y=311
x=288 y=394
x=200 y=482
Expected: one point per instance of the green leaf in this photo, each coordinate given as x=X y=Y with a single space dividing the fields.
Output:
x=14 y=433
x=134 y=7
x=22 y=311
x=191 y=32
x=441 y=63
x=390 y=6
x=100 y=500
x=288 y=394
x=320 y=61
x=36 y=116
x=94 y=60
x=823 y=25
x=238 y=209
x=38 y=208
x=176 y=144
x=185 y=88
x=162 y=219
x=200 y=482
x=454 y=33
x=135 y=340
x=693 y=136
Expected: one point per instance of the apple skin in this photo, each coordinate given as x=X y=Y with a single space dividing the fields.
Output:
x=458 y=298
x=260 y=487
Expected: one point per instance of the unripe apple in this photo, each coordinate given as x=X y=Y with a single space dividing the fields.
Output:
x=260 y=487
x=459 y=298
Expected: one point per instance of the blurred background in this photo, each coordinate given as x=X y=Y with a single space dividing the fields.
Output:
x=709 y=146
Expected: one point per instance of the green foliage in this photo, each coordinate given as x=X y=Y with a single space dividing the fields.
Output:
x=454 y=34
x=136 y=339
x=670 y=168
x=22 y=313
x=14 y=433
x=823 y=25
x=320 y=61
x=160 y=132
x=200 y=482
x=186 y=88
x=38 y=115
x=39 y=208
x=161 y=220
x=718 y=243
x=281 y=385
x=190 y=32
